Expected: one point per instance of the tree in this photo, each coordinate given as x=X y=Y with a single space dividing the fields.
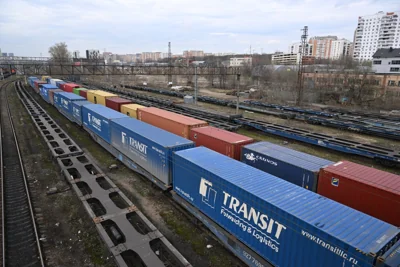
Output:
x=59 y=52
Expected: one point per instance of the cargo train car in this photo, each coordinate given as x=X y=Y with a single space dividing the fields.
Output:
x=311 y=229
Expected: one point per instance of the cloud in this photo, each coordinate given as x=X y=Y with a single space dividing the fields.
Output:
x=130 y=26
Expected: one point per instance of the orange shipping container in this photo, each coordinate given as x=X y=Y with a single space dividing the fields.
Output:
x=169 y=121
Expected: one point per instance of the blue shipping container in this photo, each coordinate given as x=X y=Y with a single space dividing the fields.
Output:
x=31 y=80
x=48 y=80
x=58 y=83
x=293 y=166
x=77 y=110
x=284 y=223
x=97 y=119
x=44 y=91
x=63 y=102
x=148 y=146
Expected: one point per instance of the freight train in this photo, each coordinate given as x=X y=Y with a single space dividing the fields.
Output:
x=263 y=219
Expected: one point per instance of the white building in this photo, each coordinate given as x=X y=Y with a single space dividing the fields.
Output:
x=286 y=59
x=386 y=61
x=240 y=61
x=381 y=30
x=295 y=48
x=341 y=48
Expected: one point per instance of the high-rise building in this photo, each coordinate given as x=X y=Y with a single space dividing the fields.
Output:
x=322 y=46
x=341 y=48
x=93 y=54
x=295 y=48
x=76 y=54
x=193 y=53
x=380 y=30
x=10 y=54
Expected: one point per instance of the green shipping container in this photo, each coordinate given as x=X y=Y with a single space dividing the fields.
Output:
x=76 y=90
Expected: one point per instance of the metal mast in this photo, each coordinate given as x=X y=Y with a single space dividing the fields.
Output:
x=302 y=51
x=169 y=64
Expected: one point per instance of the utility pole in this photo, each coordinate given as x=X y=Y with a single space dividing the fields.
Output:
x=195 y=85
x=169 y=64
x=237 y=93
x=302 y=51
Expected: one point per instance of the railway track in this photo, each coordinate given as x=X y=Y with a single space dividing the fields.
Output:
x=20 y=239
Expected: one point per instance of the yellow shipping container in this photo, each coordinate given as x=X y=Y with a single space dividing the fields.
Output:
x=131 y=109
x=98 y=96
x=45 y=77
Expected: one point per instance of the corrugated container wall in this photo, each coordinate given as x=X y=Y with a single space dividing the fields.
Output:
x=83 y=93
x=97 y=119
x=293 y=166
x=54 y=81
x=44 y=91
x=147 y=146
x=51 y=95
x=285 y=224
x=77 y=110
x=221 y=141
x=69 y=87
x=366 y=189
x=36 y=85
x=98 y=96
x=60 y=83
x=64 y=105
x=170 y=121
x=48 y=80
x=116 y=102
x=131 y=109
x=77 y=90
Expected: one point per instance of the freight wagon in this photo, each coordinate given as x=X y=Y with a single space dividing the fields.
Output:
x=63 y=102
x=45 y=91
x=286 y=224
x=77 y=111
x=315 y=231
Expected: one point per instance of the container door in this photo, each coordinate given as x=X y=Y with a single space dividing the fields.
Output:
x=95 y=99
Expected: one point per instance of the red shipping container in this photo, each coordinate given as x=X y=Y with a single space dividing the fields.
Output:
x=169 y=121
x=83 y=93
x=69 y=87
x=51 y=94
x=115 y=103
x=366 y=189
x=221 y=141
x=36 y=85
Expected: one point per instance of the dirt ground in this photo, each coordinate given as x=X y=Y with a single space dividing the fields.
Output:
x=191 y=241
x=68 y=236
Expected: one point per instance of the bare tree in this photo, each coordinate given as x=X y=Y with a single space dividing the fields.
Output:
x=59 y=52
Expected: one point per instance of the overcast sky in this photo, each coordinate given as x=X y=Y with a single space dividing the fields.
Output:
x=29 y=28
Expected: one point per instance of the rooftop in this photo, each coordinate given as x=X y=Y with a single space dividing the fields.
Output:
x=387 y=53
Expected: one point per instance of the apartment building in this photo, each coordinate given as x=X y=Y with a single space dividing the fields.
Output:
x=296 y=47
x=240 y=61
x=193 y=53
x=286 y=59
x=380 y=30
x=322 y=46
x=341 y=48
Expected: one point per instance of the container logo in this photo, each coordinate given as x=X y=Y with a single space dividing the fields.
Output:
x=136 y=145
x=242 y=215
x=64 y=103
x=76 y=112
x=335 y=181
x=95 y=122
x=207 y=192
x=251 y=157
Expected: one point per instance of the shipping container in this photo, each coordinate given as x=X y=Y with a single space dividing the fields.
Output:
x=293 y=166
x=77 y=110
x=148 y=146
x=44 y=91
x=97 y=119
x=98 y=96
x=51 y=95
x=115 y=103
x=48 y=80
x=221 y=141
x=59 y=84
x=366 y=189
x=63 y=102
x=170 y=121
x=284 y=223
x=45 y=77
x=131 y=109
x=77 y=90
x=83 y=93
x=36 y=85
x=69 y=87
x=54 y=81
x=31 y=80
